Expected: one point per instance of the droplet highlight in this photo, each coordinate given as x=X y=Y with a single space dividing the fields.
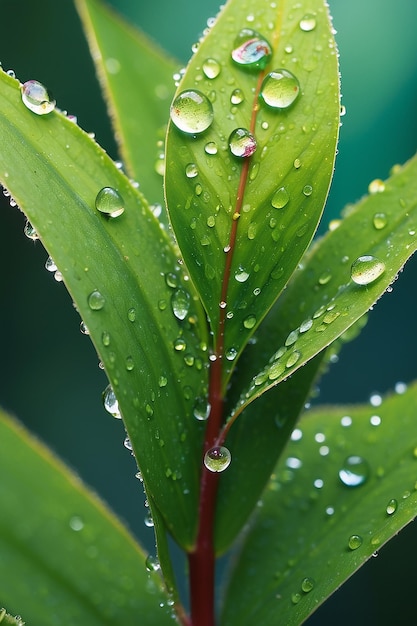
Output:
x=354 y=472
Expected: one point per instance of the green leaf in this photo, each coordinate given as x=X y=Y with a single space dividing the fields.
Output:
x=136 y=77
x=325 y=301
x=297 y=552
x=64 y=557
x=148 y=310
x=295 y=153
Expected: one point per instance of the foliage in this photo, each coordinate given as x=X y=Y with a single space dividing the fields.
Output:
x=212 y=325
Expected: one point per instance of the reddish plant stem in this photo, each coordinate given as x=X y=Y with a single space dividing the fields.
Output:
x=202 y=560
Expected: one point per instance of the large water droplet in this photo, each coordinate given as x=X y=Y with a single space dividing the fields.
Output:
x=191 y=170
x=210 y=148
x=237 y=96
x=36 y=98
x=192 y=112
x=96 y=300
x=355 y=542
x=249 y=321
x=110 y=202
x=211 y=68
x=307 y=584
x=391 y=506
x=217 y=459
x=280 y=198
x=355 y=471
x=280 y=89
x=379 y=221
x=366 y=269
x=201 y=409
x=180 y=302
x=308 y=22
x=241 y=275
x=242 y=143
x=152 y=563
x=251 y=50
x=110 y=402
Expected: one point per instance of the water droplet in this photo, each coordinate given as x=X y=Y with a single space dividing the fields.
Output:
x=307 y=190
x=30 y=232
x=76 y=523
x=162 y=381
x=293 y=358
x=391 y=506
x=306 y=325
x=241 y=275
x=50 y=265
x=201 y=409
x=237 y=97
x=231 y=354
x=251 y=50
x=366 y=269
x=308 y=22
x=376 y=186
x=375 y=420
x=131 y=315
x=36 y=98
x=191 y=170
x=105 y=338
x=84 y=329
x=280 y=198
x=96 y=300
x=210 y=148
x=280 y=89
x=242 y=143
x=110 y=402
x=192 y=112
x=217 y=459
x=152 y=563
x=379 y=221
x=355 y=542
x=295 y=597
x=180 y=345
x=109 y=202
x=180 y=303
x=211 y=68
x=355 y=471
x=129 y=363
x=297 y=164
x=307 y=584
x=249 y=321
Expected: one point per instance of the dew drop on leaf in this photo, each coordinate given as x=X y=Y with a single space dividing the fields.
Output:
x=210 y=148
x=366 y=269
x=180 y=303
x=280 y=89
x=201 y=409
x=131 y=315
x=308 y=22
x=109 y=202
x=391 y=506
x=376 y=186
x=237 y=97
x=354 y=472
x=211 y=68
x=379 y=221
x=355 y=542
x=191 y=170
x=241 y=275
x=242 y=143
x=152 y=563
x=192 y=112
x=307 y=190
x=30 y=231
x=249 y=321
x=36 y=97
x=110 y=402
x=96 y=300
x=280 y=198
x=251 y=50
x=307 y=584
x=217 y=459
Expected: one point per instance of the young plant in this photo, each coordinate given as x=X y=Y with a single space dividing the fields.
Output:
x=213 y=315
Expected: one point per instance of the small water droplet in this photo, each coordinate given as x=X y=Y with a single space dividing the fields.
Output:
x=76 y=523
x=30 y=232
x=241 y=275
x=354 y=472
x=307 y=584
x=180 y=345
x=110 y=402
x=131 y=315
x=211 y=68
x=376 y=186
x=201 y=409
x=293 y=358
x=249 y=321
x=210 y=148
x=162 y=381
x=152 y=563
x=191 y=170
x=297 y=164
x=180 y=303
x=251 y=50
x=237 y=97
x=105 y=338
x=129 y=363
x=242 y=143
x=50 y=265
x=84 y=329
x=308 y=23
x=279 y=89
x=380 y=221
x=96 y=300
x=391 y=506
x=355 y=542
x=280 y=198
x=366 y=269
x=36 y=97
x=109 y=202
x=192 y=112
x=295 y=597
x=306 y=325
x=307 y=190
x=231 y=354
x=217 y=459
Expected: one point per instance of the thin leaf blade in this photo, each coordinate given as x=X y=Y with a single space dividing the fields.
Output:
x=313 y=530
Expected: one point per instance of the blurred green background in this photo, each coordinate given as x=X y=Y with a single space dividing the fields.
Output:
x=49 y=375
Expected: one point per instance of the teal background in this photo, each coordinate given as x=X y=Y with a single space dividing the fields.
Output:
x=49 y=374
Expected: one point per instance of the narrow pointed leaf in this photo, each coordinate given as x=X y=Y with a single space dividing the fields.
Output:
x=122 y=275
x=331 y=291
x=276 y=197
x=64 y=557
x=136 y=78
x=313 y=530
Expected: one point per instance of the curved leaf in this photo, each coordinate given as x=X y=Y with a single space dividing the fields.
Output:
x=295 y=153
x=130 y=66
x=312 y=530
x=70 y=561
x=146 y=310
